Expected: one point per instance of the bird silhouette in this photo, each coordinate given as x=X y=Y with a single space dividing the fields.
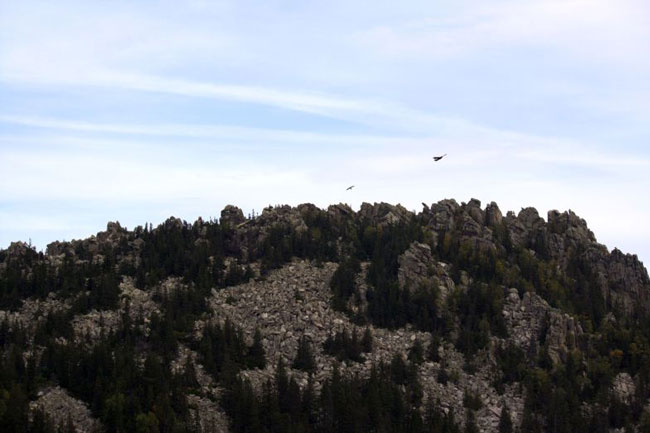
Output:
x=349 y=188
x=438 y=158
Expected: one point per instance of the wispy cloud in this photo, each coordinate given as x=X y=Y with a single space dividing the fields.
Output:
x=129 y=109
x=225 y=132
x=598 y=29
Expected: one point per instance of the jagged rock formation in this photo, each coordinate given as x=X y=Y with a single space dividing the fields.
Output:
x=272 y=273
x=383 y=213
x=57 y=404
x=415 y=266
x=531 y=320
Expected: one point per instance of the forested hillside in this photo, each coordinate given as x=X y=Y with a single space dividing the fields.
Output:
x=452 y=319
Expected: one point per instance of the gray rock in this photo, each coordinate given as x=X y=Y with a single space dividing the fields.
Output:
x=232 y=215
x=415 y=266
x=493 y=216
x=57 y=404
x=623 y=387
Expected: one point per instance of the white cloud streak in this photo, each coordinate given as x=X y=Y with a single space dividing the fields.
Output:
x=367 y=70
x=596 y=29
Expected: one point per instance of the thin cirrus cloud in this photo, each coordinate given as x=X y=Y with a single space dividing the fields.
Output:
x=485 y=144
x=597 y=29
x=129 y=109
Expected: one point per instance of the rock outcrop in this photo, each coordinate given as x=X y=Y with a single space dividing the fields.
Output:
x=295 y=300
x=384 y=213
x=531 y=320
x=62 y=409
x=415 y=266
x=232 y=216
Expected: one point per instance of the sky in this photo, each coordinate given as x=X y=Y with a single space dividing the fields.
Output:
x=137 y=111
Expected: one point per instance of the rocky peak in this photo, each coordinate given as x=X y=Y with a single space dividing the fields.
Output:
x=339 y=212
x=56 y=248
x=493 y=216
x=19 y=249
x=473 y=209
x=384 y=213
x=530 y=218
x=571 y=224
x=114 y=232
x=232 y=215
x=286 y=215
x=114 y=227
x=442 y=214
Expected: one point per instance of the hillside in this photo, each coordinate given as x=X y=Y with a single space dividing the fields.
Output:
x=456 y=318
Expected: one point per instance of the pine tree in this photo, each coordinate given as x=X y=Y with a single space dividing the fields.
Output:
x=304 y=358
x=256 y=353
x=470 y=422
x=366 y=341
x=416 y=352
x=505 y=422
x=432 y=351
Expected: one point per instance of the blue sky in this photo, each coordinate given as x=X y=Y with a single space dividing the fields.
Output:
x=135 y=111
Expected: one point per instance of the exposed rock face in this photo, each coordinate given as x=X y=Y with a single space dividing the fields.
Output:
x=232 y=215
x=211 y=418
x=384 y=213
x=33 y=312
x=530 y=219
x=60 y=407
x=340 y=212
x=250 y=235
x=113 y=233
x=568 y=223
x=626 y=283
x=442 y=215
x=417 y=268
x=623 y=387
x=90 y=327
x=473 y=208
x=531 y=319
x=294 y=301
x=19 y=249
x=493 y=216
x=415 y=265
x=204 y=407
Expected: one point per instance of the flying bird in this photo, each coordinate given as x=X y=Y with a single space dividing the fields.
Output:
x=438 y=158
x=349 y=188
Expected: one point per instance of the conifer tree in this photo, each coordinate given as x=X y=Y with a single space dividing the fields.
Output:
x=366 y=341
x=416 y=352
x=505 y=422
x=256 y=353
x=304 y=358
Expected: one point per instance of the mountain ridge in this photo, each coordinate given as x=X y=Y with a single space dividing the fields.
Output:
x=489 y=314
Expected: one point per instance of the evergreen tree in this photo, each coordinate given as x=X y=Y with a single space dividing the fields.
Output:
x=304 y=359
x=432 y=351
x=256 y=353
x=416 y=352
x=505 y=422
x=367 y=341
x=470 y=422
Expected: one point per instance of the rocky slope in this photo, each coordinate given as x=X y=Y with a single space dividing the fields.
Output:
x=288 y=298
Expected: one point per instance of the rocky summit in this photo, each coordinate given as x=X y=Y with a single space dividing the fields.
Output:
x=454 y=319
